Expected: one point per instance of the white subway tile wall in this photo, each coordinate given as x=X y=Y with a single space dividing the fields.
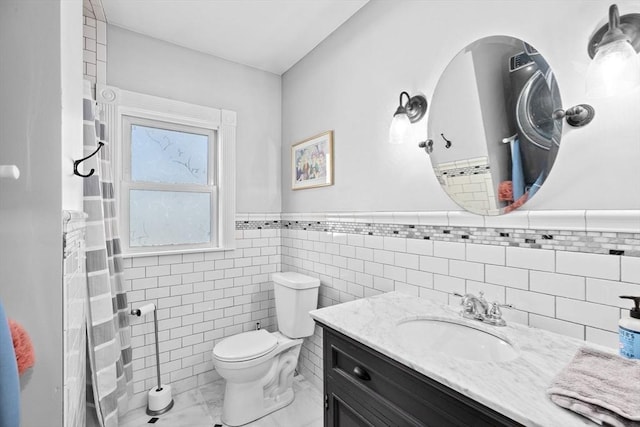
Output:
x=570 y=293
x=588 y=264
x=631 y=269
x=74 y=296
x=201 y=298
x=95 y=43
x=468 y=181
x=204 y=297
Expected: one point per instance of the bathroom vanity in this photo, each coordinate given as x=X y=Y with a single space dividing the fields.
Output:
x=377 y=372
x=364 y=387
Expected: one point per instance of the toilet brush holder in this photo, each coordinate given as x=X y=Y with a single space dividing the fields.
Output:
x=159 y=399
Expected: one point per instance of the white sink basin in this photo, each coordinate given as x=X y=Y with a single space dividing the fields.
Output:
x=455 y=339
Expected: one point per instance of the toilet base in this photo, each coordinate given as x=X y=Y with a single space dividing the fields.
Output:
x=285 y=400
x=248 y=401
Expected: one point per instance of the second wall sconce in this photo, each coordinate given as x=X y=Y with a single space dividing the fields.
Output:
x=407 y=113
x=615 y=65
x=576 y=116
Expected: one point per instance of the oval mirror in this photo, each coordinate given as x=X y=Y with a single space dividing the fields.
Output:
x=492 y=138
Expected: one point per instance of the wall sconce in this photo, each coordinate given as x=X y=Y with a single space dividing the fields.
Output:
x=407 y=113
x=614 y=48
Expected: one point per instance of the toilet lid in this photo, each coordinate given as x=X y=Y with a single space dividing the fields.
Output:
x=245 y=346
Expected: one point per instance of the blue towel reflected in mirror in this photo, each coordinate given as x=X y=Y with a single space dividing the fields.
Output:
x=517 y=175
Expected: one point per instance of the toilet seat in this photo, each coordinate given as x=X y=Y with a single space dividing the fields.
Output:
x=245 y=346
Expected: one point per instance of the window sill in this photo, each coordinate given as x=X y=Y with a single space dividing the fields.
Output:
x=174 y=252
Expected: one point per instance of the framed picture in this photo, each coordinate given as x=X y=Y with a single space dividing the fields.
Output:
x=312 y=162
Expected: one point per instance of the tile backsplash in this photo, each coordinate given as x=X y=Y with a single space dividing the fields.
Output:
x=564 y=280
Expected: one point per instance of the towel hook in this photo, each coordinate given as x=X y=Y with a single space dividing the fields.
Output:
x=448 y=143
x=509 y=139
x=77 y=162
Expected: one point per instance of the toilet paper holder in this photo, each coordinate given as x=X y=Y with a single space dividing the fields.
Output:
x=160 y=400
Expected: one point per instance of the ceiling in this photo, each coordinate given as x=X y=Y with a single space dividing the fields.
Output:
x=271 y=35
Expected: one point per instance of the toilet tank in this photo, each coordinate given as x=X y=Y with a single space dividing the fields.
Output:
x=296 y=295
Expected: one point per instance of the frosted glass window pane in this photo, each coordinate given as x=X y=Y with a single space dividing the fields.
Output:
x=168 y=218
x=168 y=156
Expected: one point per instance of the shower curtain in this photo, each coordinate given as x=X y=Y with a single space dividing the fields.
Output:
x=109 y=369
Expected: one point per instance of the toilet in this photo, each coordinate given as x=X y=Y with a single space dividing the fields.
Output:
x=258 y=365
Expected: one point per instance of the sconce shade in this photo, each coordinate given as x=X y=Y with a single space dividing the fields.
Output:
x=400 y=130
x=406 y=113
x=615 y=68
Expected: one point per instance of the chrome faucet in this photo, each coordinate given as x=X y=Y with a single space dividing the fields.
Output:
x=477 y=308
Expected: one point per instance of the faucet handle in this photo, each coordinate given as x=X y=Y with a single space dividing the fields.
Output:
x=495 y=314
x=495 y=308
x=465 y=302
x=464 y=297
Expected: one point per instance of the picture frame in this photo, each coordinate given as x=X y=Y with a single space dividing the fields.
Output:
x=312 y=162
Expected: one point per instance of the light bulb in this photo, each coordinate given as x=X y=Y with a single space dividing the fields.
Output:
x=400 y=130
x=614 y=70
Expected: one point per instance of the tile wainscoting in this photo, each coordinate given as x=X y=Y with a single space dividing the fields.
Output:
x=563 y=271
x=201 y=298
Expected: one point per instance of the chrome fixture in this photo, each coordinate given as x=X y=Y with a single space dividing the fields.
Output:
x=427 y=145
x=576 y=116
x=615 y=65
x=407 y=113
x=478 y=308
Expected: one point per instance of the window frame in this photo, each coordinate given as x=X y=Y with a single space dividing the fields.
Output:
x=127 y=184
x=120 y=105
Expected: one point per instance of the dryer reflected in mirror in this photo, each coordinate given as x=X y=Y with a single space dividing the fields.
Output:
x=494 y=103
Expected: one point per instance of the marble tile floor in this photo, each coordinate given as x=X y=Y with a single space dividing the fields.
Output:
x=202 y=407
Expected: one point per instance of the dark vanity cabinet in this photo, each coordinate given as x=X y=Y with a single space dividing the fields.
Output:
x=363 y=387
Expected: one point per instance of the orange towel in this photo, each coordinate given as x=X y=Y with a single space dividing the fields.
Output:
x=505 y=191
x=515 y=205
x=23 y=347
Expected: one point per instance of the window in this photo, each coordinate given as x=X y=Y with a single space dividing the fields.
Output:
x=176 y=179
x=168 y=183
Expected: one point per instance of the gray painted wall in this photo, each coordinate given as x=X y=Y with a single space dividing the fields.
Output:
x=32 y=127
x=350 y=83
x=140 y=63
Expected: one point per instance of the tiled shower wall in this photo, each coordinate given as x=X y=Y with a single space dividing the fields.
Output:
x=564 y=279
x=94 y=42
x=74 y=289
x=201 y=298
x=469 y=182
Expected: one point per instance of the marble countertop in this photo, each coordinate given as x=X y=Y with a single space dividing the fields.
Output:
x=516 y=388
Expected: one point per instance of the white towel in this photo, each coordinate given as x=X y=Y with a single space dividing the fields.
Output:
x=601 y=386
